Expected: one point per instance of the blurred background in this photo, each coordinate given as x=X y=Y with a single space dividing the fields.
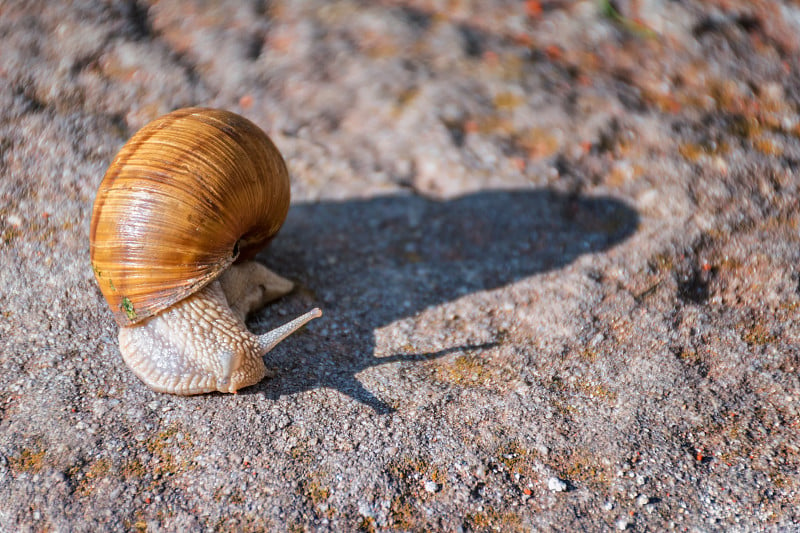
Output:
x=555 y=243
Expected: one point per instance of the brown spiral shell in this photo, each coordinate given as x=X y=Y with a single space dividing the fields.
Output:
x=189 y=194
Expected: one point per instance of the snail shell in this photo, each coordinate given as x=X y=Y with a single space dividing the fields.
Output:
x=187 y=196
x=183 y=199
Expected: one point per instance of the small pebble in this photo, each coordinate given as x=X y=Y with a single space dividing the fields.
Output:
x=14 y=220
x=642 y=499
x=431 y=486
x=622 y=524
x=556 y=485
x=542 y=450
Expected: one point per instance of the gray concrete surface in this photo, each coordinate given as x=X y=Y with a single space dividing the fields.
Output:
x=555 y=243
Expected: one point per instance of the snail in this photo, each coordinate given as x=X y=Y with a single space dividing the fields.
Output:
x=185 y=205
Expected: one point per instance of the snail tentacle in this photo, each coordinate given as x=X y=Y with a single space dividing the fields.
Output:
x=270 y=339
x=249 y=286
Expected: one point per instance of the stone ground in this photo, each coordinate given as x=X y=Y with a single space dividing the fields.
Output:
x=555 y=243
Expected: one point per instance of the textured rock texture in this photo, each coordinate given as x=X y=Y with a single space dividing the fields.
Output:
x=555 y=242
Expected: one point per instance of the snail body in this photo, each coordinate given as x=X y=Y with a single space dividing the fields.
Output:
x=188 y=200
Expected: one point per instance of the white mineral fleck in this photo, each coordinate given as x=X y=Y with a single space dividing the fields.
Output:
x=556 y=485
x=431 y=486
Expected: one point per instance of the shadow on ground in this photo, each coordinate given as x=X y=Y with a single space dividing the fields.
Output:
x=372 y=262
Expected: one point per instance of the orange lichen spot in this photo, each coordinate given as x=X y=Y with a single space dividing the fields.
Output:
x=695 y=151
x=533 y=8
x=507 y=100
x=539 y=143
x=495 y=125
x=554 y=52
x=525 y=39
x=767 y=146
x=246 y=101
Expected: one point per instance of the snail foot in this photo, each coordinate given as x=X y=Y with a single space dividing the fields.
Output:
x=201 y=344
x=198 y=345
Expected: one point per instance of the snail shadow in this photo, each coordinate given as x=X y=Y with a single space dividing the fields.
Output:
x=370 y=262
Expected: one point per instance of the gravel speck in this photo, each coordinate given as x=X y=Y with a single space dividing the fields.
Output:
x=556 y=485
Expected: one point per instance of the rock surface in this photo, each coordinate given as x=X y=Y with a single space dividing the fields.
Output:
x=553 y=240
